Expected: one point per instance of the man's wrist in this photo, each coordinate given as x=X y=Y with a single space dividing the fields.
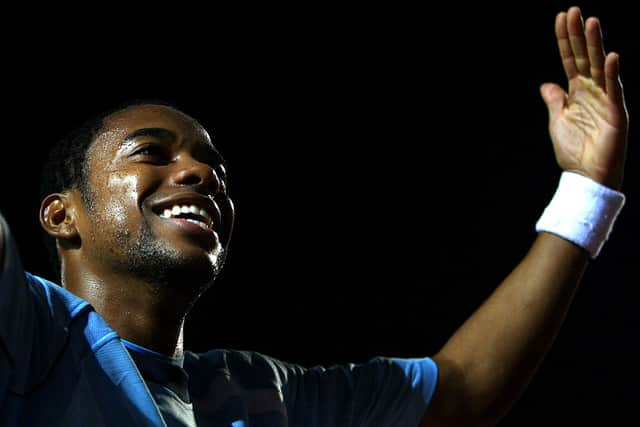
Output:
x=582 y=211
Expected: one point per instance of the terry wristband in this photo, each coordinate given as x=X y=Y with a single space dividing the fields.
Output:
x=582 y=211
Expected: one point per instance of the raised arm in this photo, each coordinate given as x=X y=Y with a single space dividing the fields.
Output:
x=489 y=361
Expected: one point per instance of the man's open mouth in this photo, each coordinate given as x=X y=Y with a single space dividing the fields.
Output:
x=191 y=213
x=190 y=207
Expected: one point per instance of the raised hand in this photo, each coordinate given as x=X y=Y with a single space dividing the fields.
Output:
x=589 y=124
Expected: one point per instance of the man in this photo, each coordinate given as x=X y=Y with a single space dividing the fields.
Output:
x=142 y=220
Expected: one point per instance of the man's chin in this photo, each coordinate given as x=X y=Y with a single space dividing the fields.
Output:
x=184 y=267
x=199 y=268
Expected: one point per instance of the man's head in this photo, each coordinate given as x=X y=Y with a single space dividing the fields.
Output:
x=139 y=192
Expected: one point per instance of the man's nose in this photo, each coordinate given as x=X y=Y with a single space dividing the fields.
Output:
x=191 y=172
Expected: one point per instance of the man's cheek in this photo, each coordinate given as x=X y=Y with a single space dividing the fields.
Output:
x=122 y=197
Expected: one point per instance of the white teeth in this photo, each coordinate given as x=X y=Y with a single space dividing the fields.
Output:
x=177 y=210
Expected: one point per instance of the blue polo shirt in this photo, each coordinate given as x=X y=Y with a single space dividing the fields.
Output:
x=61 y=364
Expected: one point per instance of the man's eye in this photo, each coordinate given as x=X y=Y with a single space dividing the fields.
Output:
x=156 y=154
x=149 y=150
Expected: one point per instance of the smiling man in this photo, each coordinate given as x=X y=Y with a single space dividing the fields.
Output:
x=137 y=210
x=147 y=231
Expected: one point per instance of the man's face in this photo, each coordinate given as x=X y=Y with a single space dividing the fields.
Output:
x=159 y=208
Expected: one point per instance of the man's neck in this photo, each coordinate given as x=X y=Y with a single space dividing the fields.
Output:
x=138 y=311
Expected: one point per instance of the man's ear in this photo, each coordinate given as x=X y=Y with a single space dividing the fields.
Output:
x=58 y=216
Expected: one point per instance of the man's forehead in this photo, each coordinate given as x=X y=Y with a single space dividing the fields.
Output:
x=121 y=125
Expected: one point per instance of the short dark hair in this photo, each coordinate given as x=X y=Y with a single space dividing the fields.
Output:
x=65 y=166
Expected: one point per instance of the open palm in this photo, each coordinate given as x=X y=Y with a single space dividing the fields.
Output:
x=589 y=124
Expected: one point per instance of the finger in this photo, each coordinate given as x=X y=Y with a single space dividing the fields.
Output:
x=595 y=48
x=564 y=45
x=575 y=27
x=612 y=76
x=555 y=98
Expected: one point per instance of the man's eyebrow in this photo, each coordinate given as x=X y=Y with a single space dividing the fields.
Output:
x=159 y=133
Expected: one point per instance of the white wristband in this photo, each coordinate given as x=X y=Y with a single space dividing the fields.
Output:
x=582 y=211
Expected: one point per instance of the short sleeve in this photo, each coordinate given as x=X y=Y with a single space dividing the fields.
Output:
x=231 y=385
x=382 y=392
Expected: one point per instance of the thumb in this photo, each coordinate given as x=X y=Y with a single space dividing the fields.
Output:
x=555 y=98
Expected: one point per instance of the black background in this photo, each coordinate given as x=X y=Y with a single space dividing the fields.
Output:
x=387 y=163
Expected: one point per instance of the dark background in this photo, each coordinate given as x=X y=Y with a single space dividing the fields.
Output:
x=387 y=163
